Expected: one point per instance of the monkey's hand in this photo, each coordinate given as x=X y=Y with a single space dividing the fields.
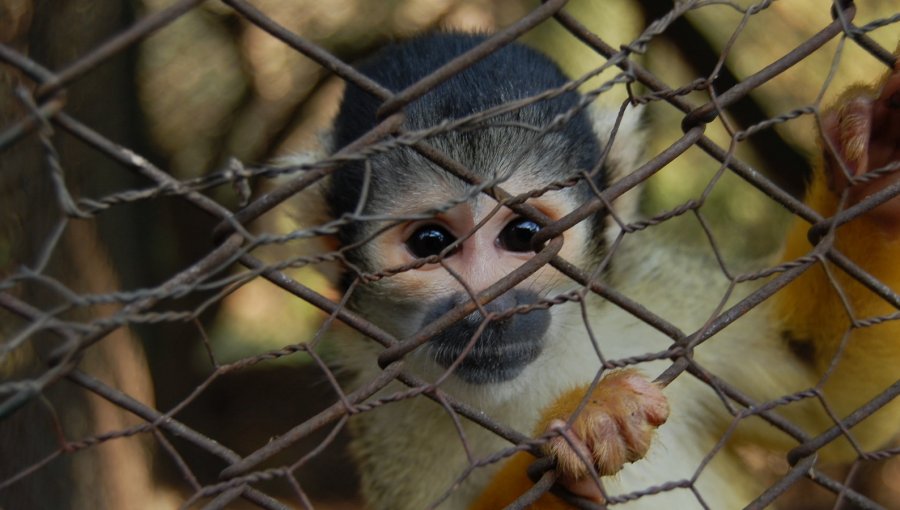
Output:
x=863 y=145
x=614 y=427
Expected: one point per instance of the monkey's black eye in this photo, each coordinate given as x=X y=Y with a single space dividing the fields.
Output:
x=429 y=240
x=517 y=235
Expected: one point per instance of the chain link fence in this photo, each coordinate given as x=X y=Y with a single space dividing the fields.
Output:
x=99 y=312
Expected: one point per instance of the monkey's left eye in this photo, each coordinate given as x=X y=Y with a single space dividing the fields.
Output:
x=517 y=234
x=429 y=240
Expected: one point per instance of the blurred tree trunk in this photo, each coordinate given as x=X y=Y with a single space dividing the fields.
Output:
x=114 y=474
x=702 y=55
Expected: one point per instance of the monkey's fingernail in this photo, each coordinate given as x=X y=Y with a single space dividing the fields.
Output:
x=557 y=426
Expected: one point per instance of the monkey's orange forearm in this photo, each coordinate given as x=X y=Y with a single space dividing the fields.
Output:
x=812 y=306
x=816 y=313
x=511 y=482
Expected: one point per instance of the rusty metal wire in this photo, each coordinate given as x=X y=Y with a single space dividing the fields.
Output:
x=42 y=98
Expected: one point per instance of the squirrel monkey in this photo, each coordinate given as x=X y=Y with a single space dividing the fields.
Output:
x=532 y=369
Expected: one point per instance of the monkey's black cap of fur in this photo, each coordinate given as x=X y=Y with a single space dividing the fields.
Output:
x=511 y=73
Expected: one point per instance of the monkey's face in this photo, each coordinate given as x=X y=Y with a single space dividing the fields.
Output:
x=477 y=242
x=421 y=241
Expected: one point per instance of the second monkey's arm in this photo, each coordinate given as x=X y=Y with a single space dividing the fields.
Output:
x=844 y=329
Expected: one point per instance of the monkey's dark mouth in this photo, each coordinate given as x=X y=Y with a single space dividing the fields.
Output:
x=503 y=349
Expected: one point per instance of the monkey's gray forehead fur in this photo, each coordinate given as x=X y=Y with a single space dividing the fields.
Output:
x=499 y=155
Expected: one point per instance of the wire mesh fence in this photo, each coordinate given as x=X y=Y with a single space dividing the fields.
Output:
x=77 y=390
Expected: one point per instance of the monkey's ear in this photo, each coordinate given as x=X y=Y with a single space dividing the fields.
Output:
x=625 y=153
x=308 y=210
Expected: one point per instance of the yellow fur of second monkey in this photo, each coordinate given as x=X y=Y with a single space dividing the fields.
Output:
x=849 y=364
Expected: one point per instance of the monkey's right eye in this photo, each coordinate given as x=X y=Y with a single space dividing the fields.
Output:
x=429 y=240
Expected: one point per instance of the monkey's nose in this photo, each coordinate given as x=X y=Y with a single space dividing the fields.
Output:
x=502 y=348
